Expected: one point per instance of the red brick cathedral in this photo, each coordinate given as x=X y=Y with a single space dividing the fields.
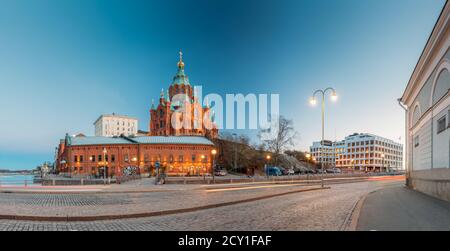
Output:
x=196 y=115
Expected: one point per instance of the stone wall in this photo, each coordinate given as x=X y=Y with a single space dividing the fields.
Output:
x=434 y=182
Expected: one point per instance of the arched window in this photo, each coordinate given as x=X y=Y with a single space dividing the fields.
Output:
x=442 y=86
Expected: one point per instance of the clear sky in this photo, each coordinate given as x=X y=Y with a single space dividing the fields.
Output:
x=63 y=63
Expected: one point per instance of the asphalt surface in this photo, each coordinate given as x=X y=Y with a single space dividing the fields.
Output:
x=402 y=209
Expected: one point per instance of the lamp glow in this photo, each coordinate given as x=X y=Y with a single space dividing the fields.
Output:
x=312 y=101
x=334 y=96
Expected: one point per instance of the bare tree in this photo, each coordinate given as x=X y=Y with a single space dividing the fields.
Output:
x=284 y=138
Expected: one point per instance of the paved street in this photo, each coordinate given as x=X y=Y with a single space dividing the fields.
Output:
x=314 y=210
x=399 y=208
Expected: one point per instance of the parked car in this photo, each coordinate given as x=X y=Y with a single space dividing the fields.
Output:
x=310 y=171
x=221 y=172
x=334 y=170
x=273 y=171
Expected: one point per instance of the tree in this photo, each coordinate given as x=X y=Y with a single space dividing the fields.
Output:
x=284 y=138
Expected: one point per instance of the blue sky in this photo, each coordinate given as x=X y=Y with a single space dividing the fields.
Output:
x=63 y=63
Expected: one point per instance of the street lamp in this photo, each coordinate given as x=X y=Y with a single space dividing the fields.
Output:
x=203 y=161
x=235 y=151
x=268 y=158
x=313 y=101
x=104 y=162
x=213 y=152
x=308 y=156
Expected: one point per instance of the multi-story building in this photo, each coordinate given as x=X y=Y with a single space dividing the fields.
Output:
x=365 y=152
x=195 y=114
x=115 y=125
x=323 y=152
x=369 y=152
x=427 y=104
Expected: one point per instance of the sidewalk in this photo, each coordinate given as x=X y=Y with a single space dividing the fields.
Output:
x=402 y=209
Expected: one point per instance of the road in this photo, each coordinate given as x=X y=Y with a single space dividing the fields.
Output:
x=314 y=210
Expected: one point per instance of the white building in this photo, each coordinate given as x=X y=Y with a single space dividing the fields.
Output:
x=115 y=125
x=365 y=152
x=324 y=153
x=427 y=103
x=369 y=152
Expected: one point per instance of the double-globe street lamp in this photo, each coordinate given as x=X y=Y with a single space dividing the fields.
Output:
x=313 y=102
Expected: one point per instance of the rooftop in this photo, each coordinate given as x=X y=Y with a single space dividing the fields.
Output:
x=155 y=140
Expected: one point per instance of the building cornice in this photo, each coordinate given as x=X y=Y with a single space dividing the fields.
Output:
x=428 y=55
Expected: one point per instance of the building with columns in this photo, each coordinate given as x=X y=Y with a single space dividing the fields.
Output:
x=426 y=101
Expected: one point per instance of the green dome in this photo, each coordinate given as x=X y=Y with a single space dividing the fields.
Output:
x=180 y=78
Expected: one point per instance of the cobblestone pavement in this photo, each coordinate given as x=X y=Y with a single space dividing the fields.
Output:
x=315 y=210
x=126 y=203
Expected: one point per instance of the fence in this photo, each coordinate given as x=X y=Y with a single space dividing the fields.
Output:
x=18 y=183
x=286 y=178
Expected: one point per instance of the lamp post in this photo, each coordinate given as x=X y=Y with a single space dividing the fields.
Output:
x=235 y=150
x=308 y=156
x=202 y=165
x=266 y=168
x=313 y=101
x=213 y=152
x=104 y=162
x=382 y=164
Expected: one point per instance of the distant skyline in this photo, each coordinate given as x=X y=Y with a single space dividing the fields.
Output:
x=64 y=63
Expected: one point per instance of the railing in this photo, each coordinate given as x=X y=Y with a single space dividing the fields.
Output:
x=285 y=178
x=18 y=183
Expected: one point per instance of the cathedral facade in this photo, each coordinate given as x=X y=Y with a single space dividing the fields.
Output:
x=179 y=111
